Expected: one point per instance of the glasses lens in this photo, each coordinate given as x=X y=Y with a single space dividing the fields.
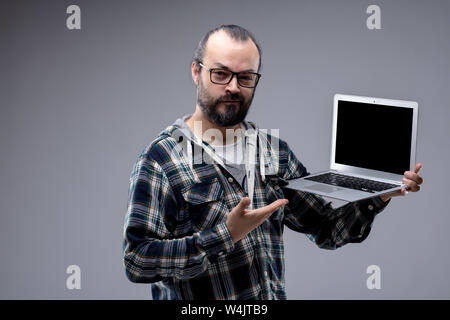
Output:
x=247 y=79
x=220 y=76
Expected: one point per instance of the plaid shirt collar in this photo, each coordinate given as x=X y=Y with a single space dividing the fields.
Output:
x=267 y=152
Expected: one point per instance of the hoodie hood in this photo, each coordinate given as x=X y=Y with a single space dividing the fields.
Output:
x=260 y=152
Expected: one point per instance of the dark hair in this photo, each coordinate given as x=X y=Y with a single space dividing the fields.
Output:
x=235 y=32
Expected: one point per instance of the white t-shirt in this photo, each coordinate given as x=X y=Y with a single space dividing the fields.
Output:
x=232 y=155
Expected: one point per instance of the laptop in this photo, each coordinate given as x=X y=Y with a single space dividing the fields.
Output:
x=373 y=144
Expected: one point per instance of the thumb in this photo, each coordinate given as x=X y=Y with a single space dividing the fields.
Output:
x=417 y=168
x=244 y=203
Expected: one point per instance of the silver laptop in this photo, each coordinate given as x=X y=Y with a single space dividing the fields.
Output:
x=373 y=144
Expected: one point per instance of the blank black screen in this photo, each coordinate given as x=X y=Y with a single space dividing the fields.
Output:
x=372 y=136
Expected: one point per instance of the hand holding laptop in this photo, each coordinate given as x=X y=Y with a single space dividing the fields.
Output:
x=412 y=181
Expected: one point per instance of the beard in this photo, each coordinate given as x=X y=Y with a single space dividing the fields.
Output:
x=233 y=114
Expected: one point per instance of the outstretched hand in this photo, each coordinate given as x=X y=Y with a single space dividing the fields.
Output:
x=241 y=221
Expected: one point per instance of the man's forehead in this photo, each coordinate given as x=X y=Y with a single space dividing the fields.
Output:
x=234 y=54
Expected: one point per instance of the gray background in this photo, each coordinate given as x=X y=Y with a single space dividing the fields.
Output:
x=77 y=107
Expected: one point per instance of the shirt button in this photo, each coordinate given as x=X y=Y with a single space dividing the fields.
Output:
x=259 y=239
x=265 y=273
x=230 y=179
x=370 y=207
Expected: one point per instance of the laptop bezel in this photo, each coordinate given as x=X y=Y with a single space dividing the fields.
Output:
x=363 y=172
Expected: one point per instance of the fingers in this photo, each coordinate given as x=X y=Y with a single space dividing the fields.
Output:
x=414 y=177
x=412 y=181
x=277 y=204
x=241 y=221
x=412 y=185
x=266 y=211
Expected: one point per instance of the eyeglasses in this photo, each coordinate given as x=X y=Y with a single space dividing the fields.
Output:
x=222 y=76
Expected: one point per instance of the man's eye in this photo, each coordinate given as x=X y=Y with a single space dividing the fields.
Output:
x=246 y=76
x=221 y=73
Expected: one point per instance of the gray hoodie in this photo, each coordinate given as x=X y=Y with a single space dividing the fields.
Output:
x=236 y=170
x=243 y=173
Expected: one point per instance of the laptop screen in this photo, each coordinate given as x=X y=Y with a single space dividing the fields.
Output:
x=373 y=136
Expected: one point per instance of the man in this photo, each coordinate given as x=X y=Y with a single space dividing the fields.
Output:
x=202 y=224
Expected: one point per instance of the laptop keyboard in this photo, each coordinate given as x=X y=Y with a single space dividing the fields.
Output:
x=351 y=182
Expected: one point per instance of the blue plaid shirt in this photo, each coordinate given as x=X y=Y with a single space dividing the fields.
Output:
x=176 y=238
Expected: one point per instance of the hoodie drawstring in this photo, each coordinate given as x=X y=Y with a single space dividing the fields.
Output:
x=250 y=159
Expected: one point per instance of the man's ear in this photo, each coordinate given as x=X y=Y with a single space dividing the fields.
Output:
x=195 y=73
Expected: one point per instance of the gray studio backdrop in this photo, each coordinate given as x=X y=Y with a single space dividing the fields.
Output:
x=78 y=106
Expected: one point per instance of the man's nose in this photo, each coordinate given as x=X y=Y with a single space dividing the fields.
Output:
x=233 y=86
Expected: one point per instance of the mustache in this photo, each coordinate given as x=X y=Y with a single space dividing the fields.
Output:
x=234 y=97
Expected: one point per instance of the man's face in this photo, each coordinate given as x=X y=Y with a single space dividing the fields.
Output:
x=226 y=105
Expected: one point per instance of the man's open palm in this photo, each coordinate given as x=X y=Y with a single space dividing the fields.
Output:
x=241 y=221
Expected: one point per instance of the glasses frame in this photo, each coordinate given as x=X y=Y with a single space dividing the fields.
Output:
x=232 y=75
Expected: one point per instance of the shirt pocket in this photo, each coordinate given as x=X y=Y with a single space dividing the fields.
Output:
x=204 y=203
